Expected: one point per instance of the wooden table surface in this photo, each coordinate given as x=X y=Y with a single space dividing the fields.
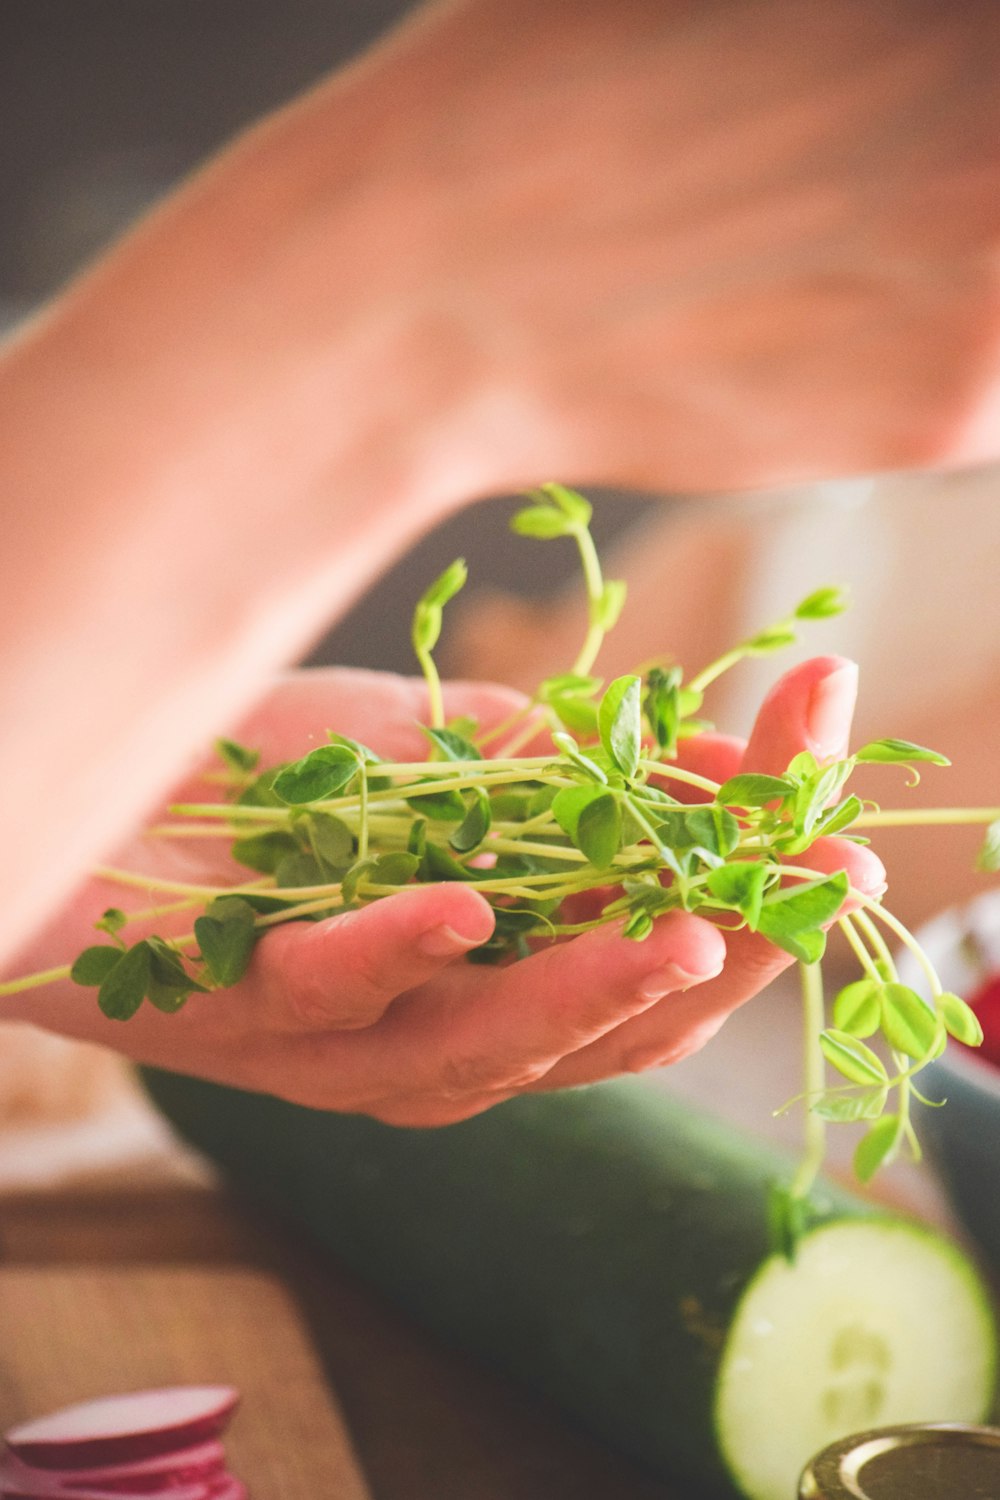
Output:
x=120 y=1285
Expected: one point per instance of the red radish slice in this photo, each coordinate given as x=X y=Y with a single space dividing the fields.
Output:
x=185 y=1466
x=124 y=1429
x=44 y=1487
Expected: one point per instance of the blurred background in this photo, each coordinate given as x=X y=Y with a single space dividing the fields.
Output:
x=105 y=105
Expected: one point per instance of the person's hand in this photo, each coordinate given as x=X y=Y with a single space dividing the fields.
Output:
x=375 y=1011
x=713 y=246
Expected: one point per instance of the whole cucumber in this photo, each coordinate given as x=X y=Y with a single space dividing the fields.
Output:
x=610 y=1249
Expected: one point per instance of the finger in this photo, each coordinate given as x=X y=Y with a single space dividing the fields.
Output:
x=344 y=972
x=716 y=756
x=683 y=1023
x=377 y=708
x=486 y=1033
x=809 y=708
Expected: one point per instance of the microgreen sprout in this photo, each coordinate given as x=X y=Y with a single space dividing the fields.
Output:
x=594 y=812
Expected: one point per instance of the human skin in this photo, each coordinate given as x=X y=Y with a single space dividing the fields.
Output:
x=680 y=246
x=375 y=1011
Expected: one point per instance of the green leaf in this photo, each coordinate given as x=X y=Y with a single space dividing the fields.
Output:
x=260 y=792
x=579 y=715
x=396 y=867
x=909 y=1022
x=451 y=745
x=541 y=521
x=226 y=935
x=237 y=757
x=264 y=851
x=988 y=858
x=638 y=927
x=598 y=831
x=839 y=817
x=425 y=631
x=302 y=869
x=741 y=885
x=167 y=967
x=858 y=1008
x=816 y=793
x=322 y=773
x=846 y=1108
x=713 y=828
x=793 y=917
x=442 y=807
x=752 y=790
x=438 y=864
x=331 y=839
x=567 y=685
x=111 y=921
x=851 y=1058
x=474 y=826
x=960 y=1019
x=447 y=585
x=124 y=987
x=416 y=839
x=607 y=607
x=806 y=904
x=897 y=752
x=802 y=766
x=662 y=707
x=582 y=762
x=876 y=1147
x=807 y=947
x=170 y=985
x=590 y=817
x=620 y=723
x=94 y=965
x=822 y=604
x=570 y=503
x=771 y=639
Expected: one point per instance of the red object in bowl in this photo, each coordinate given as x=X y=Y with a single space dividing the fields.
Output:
x=986 y=1004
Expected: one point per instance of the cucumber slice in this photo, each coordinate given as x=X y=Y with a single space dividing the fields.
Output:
x=876 y=1323
x=610 y=1248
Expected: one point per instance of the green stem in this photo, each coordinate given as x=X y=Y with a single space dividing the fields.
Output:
x=899 y=818
x=433 y=679
x=813 y=1079
x=715 y=669
x=594 y=581
x=181 y=887
x=909 y=941
x=864 y=958
x=362 y=815
x=35 y=981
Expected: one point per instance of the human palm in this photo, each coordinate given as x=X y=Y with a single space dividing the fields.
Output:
x=374 y=1011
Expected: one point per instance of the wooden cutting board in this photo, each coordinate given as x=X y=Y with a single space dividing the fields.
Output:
x=72 y=1333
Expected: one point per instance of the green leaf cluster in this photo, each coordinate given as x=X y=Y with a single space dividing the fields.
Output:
x=608 y=826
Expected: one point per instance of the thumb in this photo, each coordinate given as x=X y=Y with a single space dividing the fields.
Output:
x=809 y=708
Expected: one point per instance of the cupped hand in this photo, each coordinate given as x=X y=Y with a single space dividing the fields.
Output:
x=374 y=1011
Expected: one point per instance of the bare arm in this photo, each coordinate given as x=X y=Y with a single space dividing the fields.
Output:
x=684 y=246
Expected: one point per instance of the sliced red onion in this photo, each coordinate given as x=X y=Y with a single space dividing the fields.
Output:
x=118 y=1431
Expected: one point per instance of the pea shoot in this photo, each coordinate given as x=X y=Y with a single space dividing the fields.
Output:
x=594 y=810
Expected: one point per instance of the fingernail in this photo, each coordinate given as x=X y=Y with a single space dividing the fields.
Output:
x=670 y=979
x=444 y=942
x=828 y=715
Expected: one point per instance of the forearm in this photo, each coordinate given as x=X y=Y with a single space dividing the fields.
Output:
x=201 y=461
